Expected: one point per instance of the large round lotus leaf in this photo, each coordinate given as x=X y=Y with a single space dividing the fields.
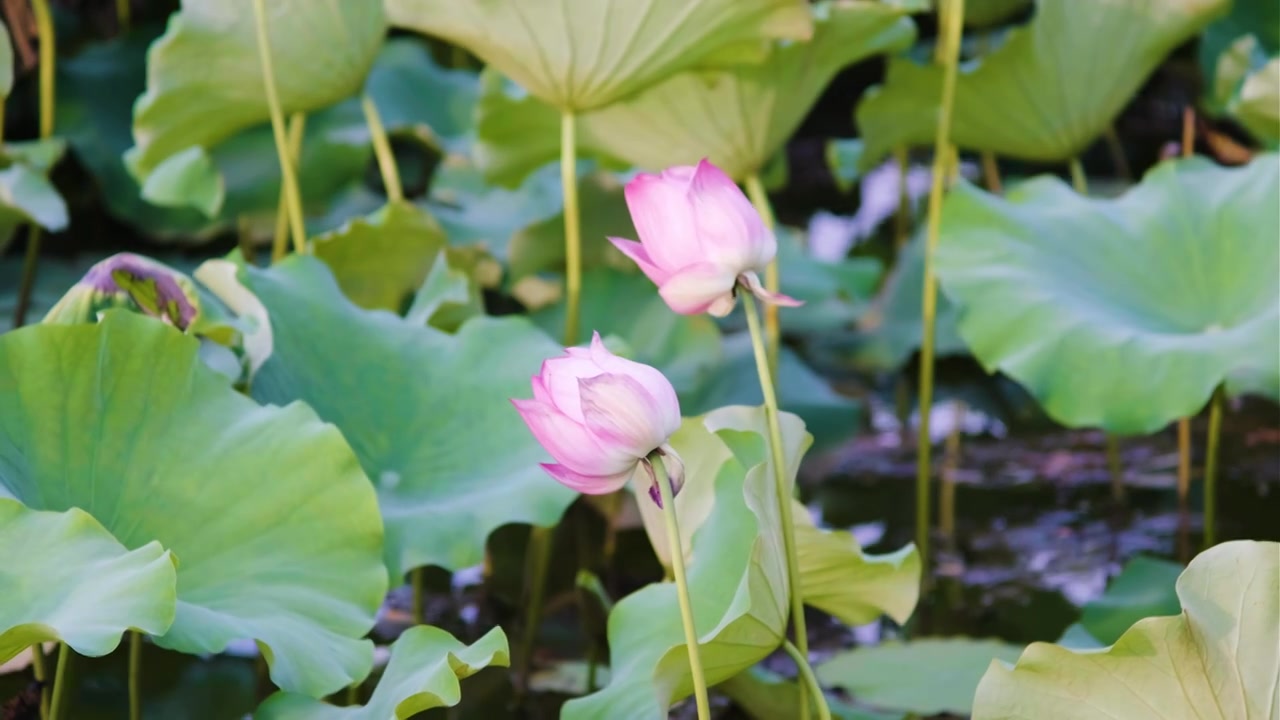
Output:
x=274 y=527
x=65 y=578
x=1048 y=92
x=738 y=116
x=1123 y=314
x=1217 y=660
x=736 y=569
x=585 y=54
x=426 y=666
x=927 y=676
x=427 y=413
x=321 y=51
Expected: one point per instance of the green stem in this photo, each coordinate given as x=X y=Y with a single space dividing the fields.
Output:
x=780 y=484
x=293 y=196
x=772 y=281
x=572 y=231
x=280 y=242
x=991 y=173
x=48 y=48
x=382 y=149
x=1118 y=159
x=953 y=20
x=60 y=681
x=658 y=474
x=37 y=668
x=1114 y=468
x=418 y=606
x=123 y=13
x=537 y=563
x=1184 y=487
x=1079 y=180
x=353 y=694
x=135 y=675
x=810 y=680
x=1211 y=469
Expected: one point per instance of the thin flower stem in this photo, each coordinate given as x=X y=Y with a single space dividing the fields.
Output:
x=48 y=48
x=123 y=13
x=1079 y=181
x=572 y=231
x=37 y=668
x=949 y=51
x=1118 y=159
x=537 y=563
x=135 y=675
x=280 y=242
x=810 y=680
x=1184 y=487
x=1211 y=469
x=658 y=475
x=772 y=279
x=382 y=149
x=991 y=173
x=288 y=174
x=781 y=484
x=61 y=680
x=416 y=584
x=353 y=694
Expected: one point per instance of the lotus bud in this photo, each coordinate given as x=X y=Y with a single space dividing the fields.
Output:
x=700 y=239
x=134 y=282
x=600 y=416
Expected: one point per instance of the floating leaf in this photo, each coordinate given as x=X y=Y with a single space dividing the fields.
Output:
x=700 y=113
x=426 y=412
x=943 y=673
x=1123 y=314
x=1145 y=588
x=685 y=348
x=67 y=579
x=121 y=419
x=593 y=52
x=191 y=102
x=1217 y=660
x=426 y=666
x=1039 y=96
x=379 y=261
x=737 y=576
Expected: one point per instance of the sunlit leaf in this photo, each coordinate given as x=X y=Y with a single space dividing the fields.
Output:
x=1043 y=94
x=1123 y=314
x=736 y=569
x=321 y=51
x=426 y=412
x=67 y=579
x=426 y=666
x=1217 y=660
x=927 y=676
x=585 y=54
x=274 y=526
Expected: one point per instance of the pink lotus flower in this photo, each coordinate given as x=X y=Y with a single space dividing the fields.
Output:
x=700 y=239
x=600 y=416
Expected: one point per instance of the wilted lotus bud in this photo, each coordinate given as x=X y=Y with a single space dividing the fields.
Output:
x=600 y=416
x=699 y=239
x=129 y=281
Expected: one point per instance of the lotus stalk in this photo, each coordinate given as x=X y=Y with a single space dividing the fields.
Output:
x=135 y=675
x=382 y=150
x=61 y=679
x=1211 y=469
x=772 y=280
x=280 y=241
x=949 y=52
x=48 y=54
x=288 y=173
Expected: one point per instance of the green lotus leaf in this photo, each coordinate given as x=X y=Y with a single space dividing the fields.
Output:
x=559 y=52
x=426 y=666
x=1123 y=314
x=844 y=160
x=700 y=113
x=415 y=95
x=426 y=412
x=26 y=195
x=274 y=524
x=473 y=211
x=1217 y=660
x=447 y=297
x=1144 y=588
x=187 y=178
x=67 y=579
x=685 y=348
x=835 y=576
x=927 y=676
x=321 y=51
x=830 y=416
x=379 y=261
x=764 y=695
x=603 y=213
x=1039 y=96
x=835 y=294
x=1257 y=105
x=736 y=570
x=985 y=13
x=892 y=328
x=1259 y=19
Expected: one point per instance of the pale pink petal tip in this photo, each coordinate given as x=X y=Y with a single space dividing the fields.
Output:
x=587 y=484
x=752 y=283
